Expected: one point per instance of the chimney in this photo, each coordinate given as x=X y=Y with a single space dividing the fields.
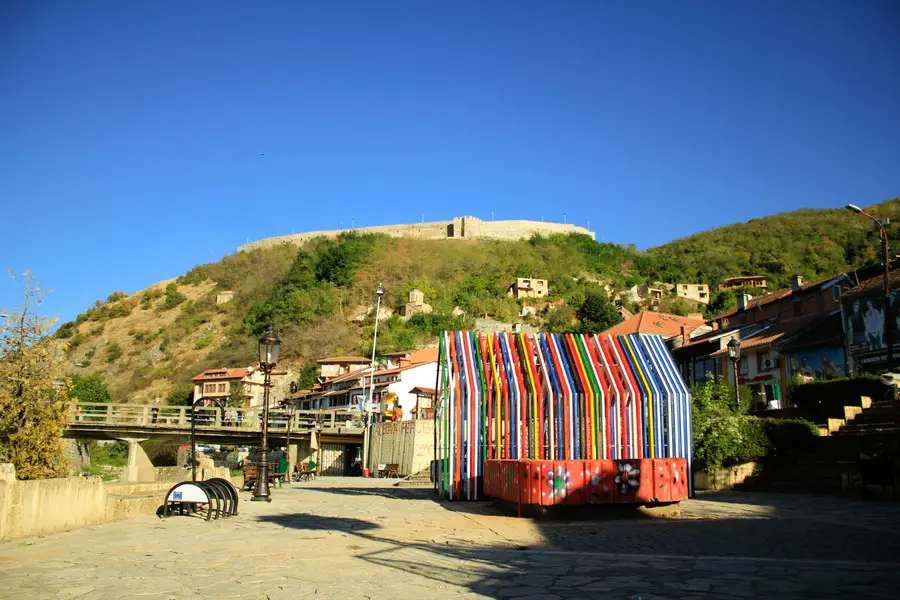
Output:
x=797 y=283
x=742 y=301
x=685 y=338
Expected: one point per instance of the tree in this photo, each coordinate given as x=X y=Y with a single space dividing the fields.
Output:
x=597 y=313
x=309 y=376
x=89 y=388
x=721 y=301
x=33 y=391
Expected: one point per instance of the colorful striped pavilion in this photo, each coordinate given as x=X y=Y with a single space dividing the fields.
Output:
x=552 y=419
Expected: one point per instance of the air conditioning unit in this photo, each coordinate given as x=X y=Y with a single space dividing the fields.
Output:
x=770 y=362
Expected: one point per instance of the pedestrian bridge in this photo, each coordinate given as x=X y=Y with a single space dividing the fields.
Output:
x=234 y=426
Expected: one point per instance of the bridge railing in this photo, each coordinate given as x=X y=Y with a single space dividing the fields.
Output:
x=140 y=415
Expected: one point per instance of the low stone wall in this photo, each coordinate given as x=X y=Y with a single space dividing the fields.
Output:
x=44 y=506
x=723 y=479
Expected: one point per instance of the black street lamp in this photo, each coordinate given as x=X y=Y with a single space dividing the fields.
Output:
x=734 y=353
x=269 y=350
x=888 y=309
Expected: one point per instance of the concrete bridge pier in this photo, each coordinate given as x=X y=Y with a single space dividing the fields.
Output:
x=139 y=467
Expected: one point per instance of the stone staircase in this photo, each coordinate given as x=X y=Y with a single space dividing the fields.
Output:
x=861 y=455
x=421 y=479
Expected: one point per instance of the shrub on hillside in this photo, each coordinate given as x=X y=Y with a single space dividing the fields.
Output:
x=172 y=297
x=113 y=353
x=89 y=388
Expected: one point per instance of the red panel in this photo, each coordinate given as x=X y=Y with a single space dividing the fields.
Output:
x=662 y=480
x=561 y=482
x=573 y=482
x=634 y=481
x=678 y=468
x=600 y=476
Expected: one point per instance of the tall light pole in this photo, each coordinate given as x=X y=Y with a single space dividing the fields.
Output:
x=269 y=351
x=379 y=293
x=289 y=407
x=734 y=353
x=888 y=309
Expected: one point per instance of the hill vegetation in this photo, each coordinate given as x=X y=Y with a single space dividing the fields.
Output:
x=320 y=295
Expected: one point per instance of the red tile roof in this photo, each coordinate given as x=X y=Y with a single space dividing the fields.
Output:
x=344 y=360
x=773 y=333
x=778 y=295
x=350 y=375
x=398 y=369
x=221 y=374
x=424 y=356
x=422 y=390
x=662 y=324
x=875 y=284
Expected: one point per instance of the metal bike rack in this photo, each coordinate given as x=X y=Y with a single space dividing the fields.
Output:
x=218 y=495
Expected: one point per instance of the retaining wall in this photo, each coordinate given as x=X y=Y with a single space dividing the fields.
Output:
x=44 y=506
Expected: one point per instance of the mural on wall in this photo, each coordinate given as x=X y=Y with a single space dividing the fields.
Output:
x=866 y=328
x=819 y=364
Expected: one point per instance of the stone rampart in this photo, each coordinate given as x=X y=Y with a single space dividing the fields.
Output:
x=460 y=228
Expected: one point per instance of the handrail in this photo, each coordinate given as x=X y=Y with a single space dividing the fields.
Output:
x=143 y=415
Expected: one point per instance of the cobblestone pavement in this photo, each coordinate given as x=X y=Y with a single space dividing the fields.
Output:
x=353 y=538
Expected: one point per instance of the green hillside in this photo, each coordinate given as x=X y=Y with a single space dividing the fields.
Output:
x=321 y=295
x=812 y=243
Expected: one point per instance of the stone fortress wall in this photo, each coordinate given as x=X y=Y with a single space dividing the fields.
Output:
x=460 y=228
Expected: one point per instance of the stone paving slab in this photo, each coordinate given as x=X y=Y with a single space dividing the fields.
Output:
x=353 y=538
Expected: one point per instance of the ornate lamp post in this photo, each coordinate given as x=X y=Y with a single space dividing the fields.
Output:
x=888 y=309
x=269 y=351
x=734 y=353
x=379 y=293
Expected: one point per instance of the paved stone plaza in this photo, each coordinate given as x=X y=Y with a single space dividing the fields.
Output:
x=352 y=538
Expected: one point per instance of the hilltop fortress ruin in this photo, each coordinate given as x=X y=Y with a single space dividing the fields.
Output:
x=460 y=228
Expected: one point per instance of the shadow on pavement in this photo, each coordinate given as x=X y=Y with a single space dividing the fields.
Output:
x=721 y=558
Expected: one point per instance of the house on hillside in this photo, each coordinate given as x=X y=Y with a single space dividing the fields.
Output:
x=794 y=332
x=409 y=357
x=424 y=402
x=643 y=295
x=527 y=287
x=220 y=384
x=416 y=304
x=349 y=392
x=745 y=281
x=695 y=292
x=335 y=366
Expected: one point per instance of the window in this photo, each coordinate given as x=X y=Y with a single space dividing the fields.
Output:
x=836 y=290
x=209 y=388
x=221 y=388
x=744 y=367
x=703 y=294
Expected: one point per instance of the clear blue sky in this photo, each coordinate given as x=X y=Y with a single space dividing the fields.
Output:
x=138 y=139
